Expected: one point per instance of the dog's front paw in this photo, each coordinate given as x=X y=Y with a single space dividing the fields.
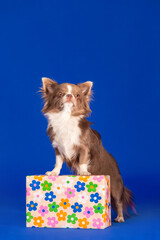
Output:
x=119 y=219
x=85 y=173
x=52 y=173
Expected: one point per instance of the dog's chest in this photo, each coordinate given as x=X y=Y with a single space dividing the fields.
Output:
x=67 y=133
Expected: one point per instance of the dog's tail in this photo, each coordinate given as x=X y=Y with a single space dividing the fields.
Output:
x=128 y=200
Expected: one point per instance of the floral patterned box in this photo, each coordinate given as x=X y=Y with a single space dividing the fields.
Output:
x=68 y=201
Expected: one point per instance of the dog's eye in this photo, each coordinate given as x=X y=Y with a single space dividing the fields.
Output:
x=60 y=94
x=77 y=95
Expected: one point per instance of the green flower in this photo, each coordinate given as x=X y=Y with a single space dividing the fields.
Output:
x=98 y=208
x=46 y=186
x=91 y=187
x=72 y=218
x=53 y=207
x=72 y=176
x=29 y=217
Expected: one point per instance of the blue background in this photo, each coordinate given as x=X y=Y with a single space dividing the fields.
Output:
x=115 y=44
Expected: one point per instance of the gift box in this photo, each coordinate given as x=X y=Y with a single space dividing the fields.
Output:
x=68 y=201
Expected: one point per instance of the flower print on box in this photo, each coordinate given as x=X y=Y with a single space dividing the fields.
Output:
x=77 y=207
x=104 y=216
x=61 y=215
x=53 y=207
x=68 y=202
x=46 y=186
x=107 y=193
x=70 y=193
x=65 y=203
x=28 y=190
x=32 y=206
x=98 y=208
x=102 y=189
x=83 y=197
x=39 y=178
x=38 y=221
x=72 y=218
x=95 y=197
x=80 y=186
x=83 y=223
x=29 y=217
x=53 y=178
x=49 y=196
x=35 y=185
x=68 y=182
x=58 y=188
x=98 y=178
x=97 y=222
x=88 y=212
x=43 y=210
x=52 y=221
x=84 y=178
x=38 y=195
x=91 y=187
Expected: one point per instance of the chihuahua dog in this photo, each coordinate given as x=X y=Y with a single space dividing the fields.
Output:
x=66 y=107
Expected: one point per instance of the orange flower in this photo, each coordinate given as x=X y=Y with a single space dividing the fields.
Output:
x=108 y=183
x=83 y=178
x=107 y=180
x=39 y=178
x=61 y=215
x=38 y=221
x=65 y=203
x=104 y=216
x=83 y=222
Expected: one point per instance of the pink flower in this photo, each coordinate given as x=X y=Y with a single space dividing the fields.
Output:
x=97 y=223
x=107 y=193
x=28 y=191
x=52 y=221
x=70 y=192
x=52 y=177
x=43 y=210
x=88 y=212
x=99 y=178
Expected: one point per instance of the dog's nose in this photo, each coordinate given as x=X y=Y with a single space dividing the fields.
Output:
x=69 y=96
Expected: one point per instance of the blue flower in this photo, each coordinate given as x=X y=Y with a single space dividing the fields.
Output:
x=95 y=197
x=80 y=186
x=77 y=207
x=32 y=206
x=35 y=185
x=49 y=196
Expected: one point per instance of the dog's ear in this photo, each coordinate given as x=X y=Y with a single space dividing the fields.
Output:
x=86 y=88
x=48 y=85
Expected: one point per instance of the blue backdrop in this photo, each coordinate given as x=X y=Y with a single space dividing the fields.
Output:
x=115 y=44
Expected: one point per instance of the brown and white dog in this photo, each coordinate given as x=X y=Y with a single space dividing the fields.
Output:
x=66 y=108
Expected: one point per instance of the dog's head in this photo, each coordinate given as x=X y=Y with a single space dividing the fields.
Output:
x=66 y=96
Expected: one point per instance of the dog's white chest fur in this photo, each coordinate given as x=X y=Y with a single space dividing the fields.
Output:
x=67 y=131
